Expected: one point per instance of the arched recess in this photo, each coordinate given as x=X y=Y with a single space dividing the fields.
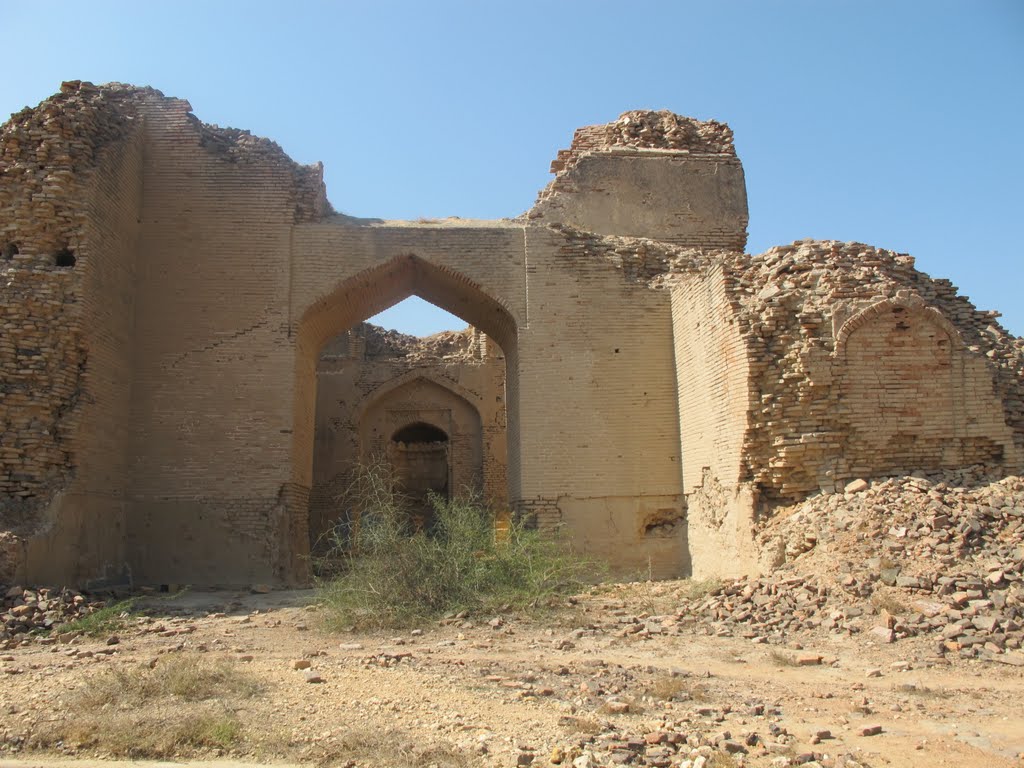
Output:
x=410 y=376
x=374 y=290
x=899 y=395
x=422 y=400
x=422 y=458
x=909 y=306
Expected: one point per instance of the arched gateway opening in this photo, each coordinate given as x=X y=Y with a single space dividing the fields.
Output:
x=421 y=450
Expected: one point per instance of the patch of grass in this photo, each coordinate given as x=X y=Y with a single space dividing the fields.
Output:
x=392 y=749
x=391 y=575
x=185 y=678
x=674 y=688
x=887 y=601
x=181 y=707
x=698 y=589
x=781 y=659
x=102 y=621
x=151 y=735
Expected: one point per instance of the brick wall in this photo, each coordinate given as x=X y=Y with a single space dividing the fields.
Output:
x=211 y=415
x=714 y=395
x=68 y=206
x=160 y=396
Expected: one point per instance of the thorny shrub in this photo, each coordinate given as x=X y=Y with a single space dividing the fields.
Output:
x=381 y=571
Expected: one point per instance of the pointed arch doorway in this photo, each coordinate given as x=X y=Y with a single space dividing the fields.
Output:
x=370 y=292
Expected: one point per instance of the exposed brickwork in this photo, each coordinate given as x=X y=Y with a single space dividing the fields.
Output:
x=651 y=174
x=169 y=288
x=41 y=353
x=647 y=129
x=539 y=514
x=793 y=301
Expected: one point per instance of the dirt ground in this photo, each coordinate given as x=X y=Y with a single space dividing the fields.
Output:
x=574 y=688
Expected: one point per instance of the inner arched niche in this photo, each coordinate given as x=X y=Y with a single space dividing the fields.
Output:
x=381 y=394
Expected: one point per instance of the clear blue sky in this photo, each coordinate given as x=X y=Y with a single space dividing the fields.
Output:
x=893 y=123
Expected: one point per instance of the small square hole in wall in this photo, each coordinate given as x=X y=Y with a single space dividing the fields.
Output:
x=9 y=251
x=64 y=258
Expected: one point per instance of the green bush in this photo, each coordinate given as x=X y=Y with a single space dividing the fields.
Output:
x=102 y=621
x=386 y=574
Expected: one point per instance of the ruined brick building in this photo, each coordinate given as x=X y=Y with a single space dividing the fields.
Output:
x=184 y=376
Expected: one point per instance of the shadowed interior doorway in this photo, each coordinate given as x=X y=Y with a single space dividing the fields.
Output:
x=419 y=455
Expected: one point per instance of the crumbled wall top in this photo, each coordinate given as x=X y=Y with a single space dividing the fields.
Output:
x=790 y=303
x=383 y=344
x=649 y=129
x=650 y=174
x=58 y=140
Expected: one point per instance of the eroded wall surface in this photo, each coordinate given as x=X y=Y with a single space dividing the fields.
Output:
x=169 y=287
x=651 y=174
x=812 y=365
x=68 y=225
x=714 y=393
x=210 y=414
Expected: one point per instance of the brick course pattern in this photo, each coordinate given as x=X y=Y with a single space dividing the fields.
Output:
x=176 y=406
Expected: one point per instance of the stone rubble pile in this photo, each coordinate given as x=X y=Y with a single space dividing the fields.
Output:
x=382 y=343
x=695 y=742
x=765 y=610
x=902 y=557
x=661 y=129
x=946 y=558
x=41 y=609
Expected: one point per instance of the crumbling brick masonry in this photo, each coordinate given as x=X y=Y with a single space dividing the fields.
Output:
x=185 y=380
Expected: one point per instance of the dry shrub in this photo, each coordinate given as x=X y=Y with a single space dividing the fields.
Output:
x=153 y=734
x=635 y=707
x=889 y=601
x=184 y=677
x=922 y=691
x=674 y=688
x=388 y=574
x=389 y=749
x=781 y=659
x=587 y=725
